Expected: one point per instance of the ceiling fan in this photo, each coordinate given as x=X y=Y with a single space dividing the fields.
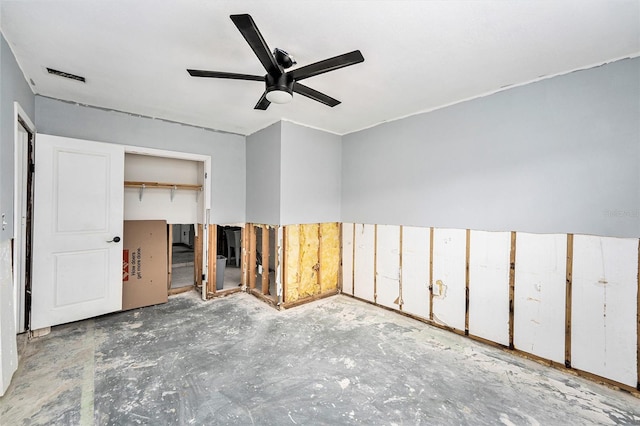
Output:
x=280 y=85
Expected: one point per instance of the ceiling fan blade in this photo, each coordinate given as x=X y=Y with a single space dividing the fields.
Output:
x=252 y=35
x=263 y=103
x=327 y=65
x=220 y=74
x=314 y=94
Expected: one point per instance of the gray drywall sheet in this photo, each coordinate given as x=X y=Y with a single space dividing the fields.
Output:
x=449 y=262
x=388 y=266
x=489 y=285
x=415 y=270
x=539 y=305
x=364 y=262
x=347 y=257
x=604 y=307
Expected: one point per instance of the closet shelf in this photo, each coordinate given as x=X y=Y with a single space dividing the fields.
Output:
x=162 y=185
x=132 y=184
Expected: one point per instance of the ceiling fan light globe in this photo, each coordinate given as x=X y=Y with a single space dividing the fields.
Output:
x=279 y=97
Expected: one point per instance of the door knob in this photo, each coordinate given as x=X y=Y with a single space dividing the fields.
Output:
x=115 y=240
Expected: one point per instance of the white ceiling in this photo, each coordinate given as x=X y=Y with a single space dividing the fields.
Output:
x=419 y=55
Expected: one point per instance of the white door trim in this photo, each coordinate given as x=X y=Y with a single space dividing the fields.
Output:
x=18 y=230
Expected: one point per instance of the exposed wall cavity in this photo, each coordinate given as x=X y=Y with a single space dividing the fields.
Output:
x=571 y=300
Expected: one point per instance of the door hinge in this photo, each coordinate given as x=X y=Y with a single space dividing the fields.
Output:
x=32 y=168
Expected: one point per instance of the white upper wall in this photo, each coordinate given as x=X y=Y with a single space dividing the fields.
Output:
x=560 y=155
x=310 y=175
x=227 y=150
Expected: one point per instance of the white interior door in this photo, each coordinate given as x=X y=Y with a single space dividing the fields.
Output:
x=78 y=214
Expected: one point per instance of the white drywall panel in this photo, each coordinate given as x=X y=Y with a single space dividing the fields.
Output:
x=449 y=262
x=604 y=307
x=415 y=270
x=539 y=305
x=364 y=262
x=388 y=266
x=489 y=285
x=347 y=258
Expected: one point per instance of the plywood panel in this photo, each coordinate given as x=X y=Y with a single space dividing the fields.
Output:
x=604 y=305
x=347 y=258
x=489 y=285
x=539 y=305
x=388 y=266
x=449 y=262
x=329 y=256
x=415 y=271
x=364 y=262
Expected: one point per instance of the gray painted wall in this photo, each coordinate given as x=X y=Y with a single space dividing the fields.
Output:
x=263 y=175
x=13 y=87
x=227 y=150
x=559 y=155
x=310 y=175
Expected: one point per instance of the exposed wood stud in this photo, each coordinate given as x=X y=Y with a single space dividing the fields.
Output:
x=466 y=282
x=212 y=260
x=340 y=277
x=431 y=274
x=251 y=268
x=319 y=270
x=284 y=264
x=169 y=255
x=197 y=258
x=568 y=289
x=265 y=260
x=401 y=301
x=512 y=286
x=243 y=258
x=353 y=261
x=375 y=263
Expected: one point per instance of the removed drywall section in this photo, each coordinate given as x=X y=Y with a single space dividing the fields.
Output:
x=415 y=271
x=227 y=151
x=604 y=307
x=556 y=156
x=518 y=291
x=310 y=175
x=329 y=256
x=449 y=258
x=364 y=262
x=311 y=261
x=539 y=305
x=302 y=263
x=489 y=285
x=348 y=236
x=388 y=266
x=263 y=175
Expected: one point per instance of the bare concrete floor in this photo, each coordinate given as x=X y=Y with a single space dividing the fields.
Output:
x=235 y=360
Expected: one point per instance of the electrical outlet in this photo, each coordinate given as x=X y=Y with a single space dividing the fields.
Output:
x=4 y=222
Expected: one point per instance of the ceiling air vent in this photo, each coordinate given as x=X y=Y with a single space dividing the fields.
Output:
x=65 y=75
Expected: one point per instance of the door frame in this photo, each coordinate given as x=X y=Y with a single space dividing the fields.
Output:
x=203 y=215
x=22 y=233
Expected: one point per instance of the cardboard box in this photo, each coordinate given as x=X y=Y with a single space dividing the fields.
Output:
x=144 y=263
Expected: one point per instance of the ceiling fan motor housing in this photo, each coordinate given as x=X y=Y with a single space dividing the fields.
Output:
x=283 y=83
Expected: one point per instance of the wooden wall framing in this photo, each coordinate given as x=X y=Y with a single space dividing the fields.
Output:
x=516 y=291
